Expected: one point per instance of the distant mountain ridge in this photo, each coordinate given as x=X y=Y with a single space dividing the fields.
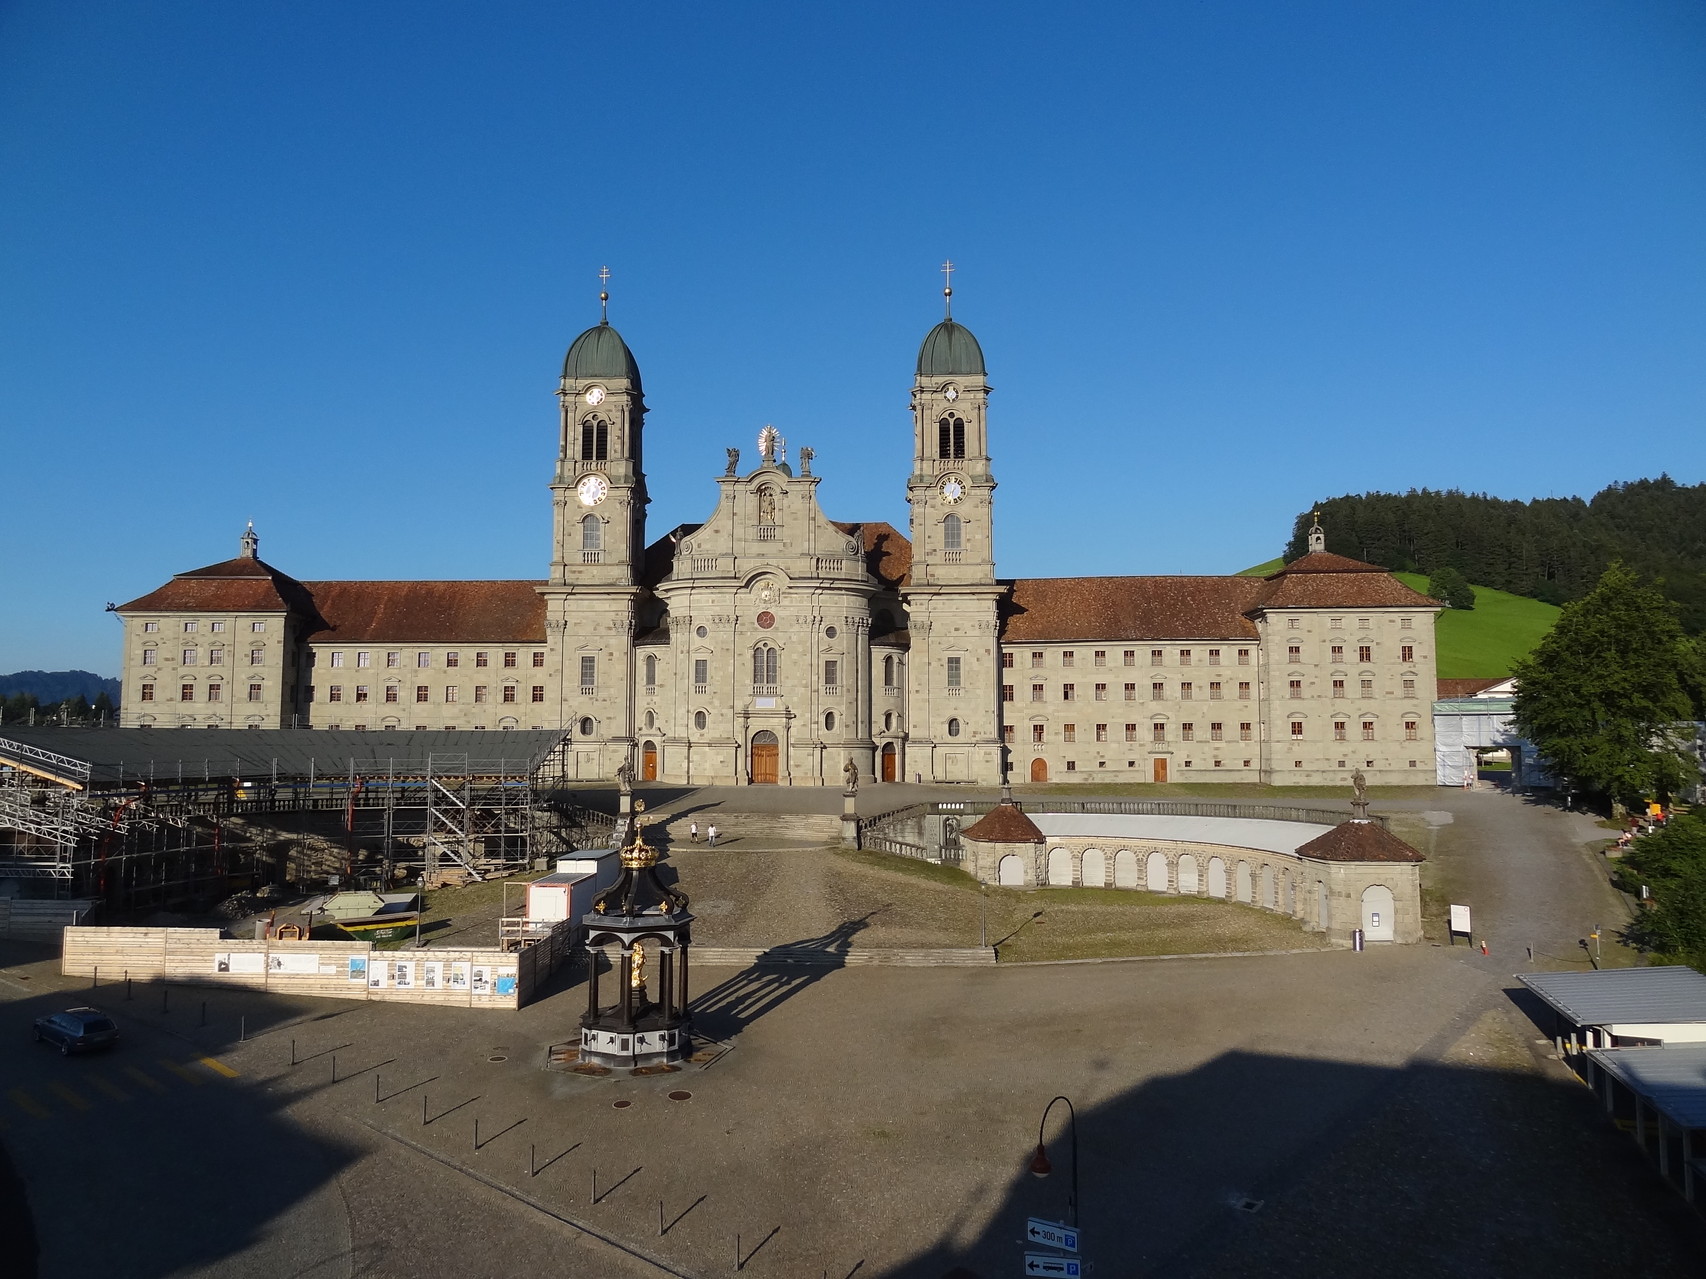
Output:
x=52 y=687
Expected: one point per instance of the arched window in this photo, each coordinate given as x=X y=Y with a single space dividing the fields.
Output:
x=651 y=678
x=829 y=721
x=953 y=533
x=595 y=440
x=953 y=728
x=888 y=721
x=592 y=533
x=888 y=671
x=951 y=437
x=699 y=720
x=764 y=665
x=586 y=727
x=651 y=719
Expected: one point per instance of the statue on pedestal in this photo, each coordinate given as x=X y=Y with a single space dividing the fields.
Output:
x=850 y=774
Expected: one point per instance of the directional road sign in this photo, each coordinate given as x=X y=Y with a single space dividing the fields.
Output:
x=1051 y=1234
x=1053 y=1267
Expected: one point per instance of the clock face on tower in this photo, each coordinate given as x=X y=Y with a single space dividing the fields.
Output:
x=592 y=489
x=950 y=392
x=952 y=489
x=595 y=395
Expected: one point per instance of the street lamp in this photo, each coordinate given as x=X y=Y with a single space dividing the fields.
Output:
x=1040 y=1165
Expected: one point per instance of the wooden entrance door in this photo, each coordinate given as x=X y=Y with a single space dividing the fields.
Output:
x=649 y=762
x=1039 y=770
x=889 y=761
x=766 y=753
x=1160 y=770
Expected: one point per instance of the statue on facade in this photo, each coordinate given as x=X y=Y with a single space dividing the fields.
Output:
x=806 y=456
x=625 y=777
x=850 y=773
x=734 y=461
x=1359 y=795
x=766 y=506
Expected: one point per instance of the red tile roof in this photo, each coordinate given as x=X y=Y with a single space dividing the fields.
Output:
x=242 y=585
x=1324 y=580
x=1004 y=824
x=1355 y=841
x=1044 y=609
x=888 y=553
x=1447 y=689
x=1326 y=562
x=429 y=612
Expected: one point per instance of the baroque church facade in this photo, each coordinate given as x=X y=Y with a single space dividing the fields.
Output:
x=771 y=644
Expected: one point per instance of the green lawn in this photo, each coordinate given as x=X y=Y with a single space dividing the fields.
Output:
x=1488 y=639
x=1262 y=570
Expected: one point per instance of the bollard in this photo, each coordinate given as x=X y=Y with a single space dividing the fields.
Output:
x=595 y=1185
x=292 y=1052
x=376 y=1088
x=423 y=1110
x=243 y=1028
x=476 y=1132
x=127 y=985
x=660 y=1219
x=95 y=978
x=1356 y=939
x=532 y=1150
x=334 y=1068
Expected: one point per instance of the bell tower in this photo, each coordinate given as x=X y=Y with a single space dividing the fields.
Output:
x=598 y=538
x=953 y=670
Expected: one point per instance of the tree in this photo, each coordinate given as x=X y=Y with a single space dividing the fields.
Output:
x=1603 y=697
x=1671 y=864
x=1451 y=588
x=103 y=707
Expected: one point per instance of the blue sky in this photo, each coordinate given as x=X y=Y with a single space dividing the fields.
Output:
x=316 y=264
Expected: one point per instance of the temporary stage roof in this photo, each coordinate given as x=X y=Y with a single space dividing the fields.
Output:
x=1624 y=1000
x=1673 y=1080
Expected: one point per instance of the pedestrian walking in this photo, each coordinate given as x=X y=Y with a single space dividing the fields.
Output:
x=693 y=832
x=711 y=835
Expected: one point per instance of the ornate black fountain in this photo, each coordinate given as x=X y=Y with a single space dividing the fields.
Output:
x=637 y=1030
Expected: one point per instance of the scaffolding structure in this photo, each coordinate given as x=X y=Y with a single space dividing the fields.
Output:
x=155 y=834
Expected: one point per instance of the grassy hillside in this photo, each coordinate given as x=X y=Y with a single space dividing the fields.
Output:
x=1262 y=570
x=1488 y=639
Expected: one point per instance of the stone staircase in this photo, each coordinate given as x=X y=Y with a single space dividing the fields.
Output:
x=752 y=829
x=807 y=957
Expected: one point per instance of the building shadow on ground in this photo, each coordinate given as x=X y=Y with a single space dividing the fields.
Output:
x=1259 y=1165
x=774 y=977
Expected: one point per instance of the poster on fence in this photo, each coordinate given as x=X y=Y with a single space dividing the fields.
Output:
x=286 y=961
x=403 y=975
x=459 y=976
x=506 y=981
x=432 y=974
x=239 y=962
x=376 y=976
x=358 y=968
x=482 y=979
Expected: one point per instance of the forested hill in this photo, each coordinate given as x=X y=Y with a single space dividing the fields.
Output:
x=1552 y=549
x=49 y=688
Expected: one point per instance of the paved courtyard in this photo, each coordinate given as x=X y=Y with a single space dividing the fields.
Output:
x=1295 y=1114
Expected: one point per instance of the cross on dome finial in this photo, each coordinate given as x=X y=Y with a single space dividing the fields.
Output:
x=948 y=269
x=603 y=295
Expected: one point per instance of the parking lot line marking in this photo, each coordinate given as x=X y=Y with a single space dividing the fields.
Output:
x=182 y=1072
x=70 y=1098
x=107 y=1086
x=145 y=1080
x=214 y=1064
x=28 y=1104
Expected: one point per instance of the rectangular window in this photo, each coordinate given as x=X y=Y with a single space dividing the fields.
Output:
x=1367 y=688
x=1036 y=692
x=1216 y=732
x=337 y=659
x=189 y=628
x=1338 y=652
x=420 y=692
x=189 y=657
x=186 y=692
x=538 y=693
x=1006 y=734
x=452 y=693
x=538 y=660
x=589 y=674
x=1157 y=657
x=1186 y=691
x=1068 y=658
x=1101 y=732
x=307 y=692
x=257 y=657
x=1067 y=692
x=1131 y=732
x=1293 y=623
x=335 y=693
x=363 y=660
x=509 y=692
x=1295 y=688
x=953 y=671
x=1037 y=731
x=1187 y=732
x=1101 y=692
x=1184 y=657
x=361 y=692
x=832 y=672
x=1368 y=730
x=1404 y=623
x=1131 y=692
x=1157 y=692
x=480 y=692
x=391 y=692
x=1069 y=732
x=1007 y=692
x=1244 y=732
x=701 y=672
x=393 y=660
x=423 y=660
x=1337 y=623
x=1101 y=657
x=1339 y=730
x=1365 y=653
x=1409 y=688
x=453 y=659
x=148 y=692
x=1006 y=661
x=151 y=627
x=482 y=659
x=1072 y=766
x=1362 y=622
x=1406 y=653
x=1338 y=688
x=150 y=656
x=1243 y=657
x=1297 y=728
x=1130 y=657
x=1214 y=690
x=1294 y=653
x=1036 y=660
x=215 y=692
x=216 y=657
x=254 y=692
x=1244 y=690
x=509 y=661
x=1214 y=657
x=257 y=627
x=1411 y=730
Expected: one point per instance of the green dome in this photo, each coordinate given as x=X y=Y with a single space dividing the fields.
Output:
x=600 y=352
x=950 y=350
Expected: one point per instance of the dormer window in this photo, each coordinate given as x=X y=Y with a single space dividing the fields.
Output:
x=951 y=436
